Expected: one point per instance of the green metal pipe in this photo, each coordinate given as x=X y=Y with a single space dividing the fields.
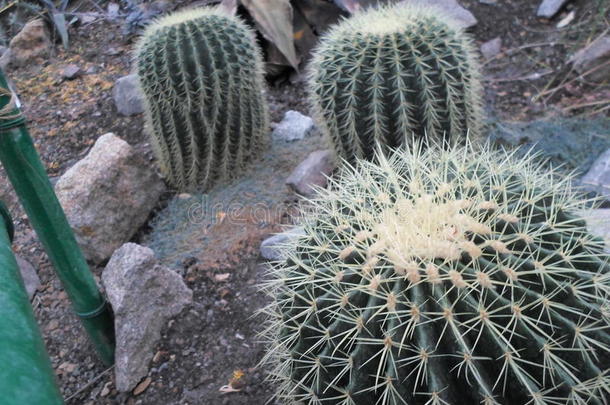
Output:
x=26 y=375
x=29 y=179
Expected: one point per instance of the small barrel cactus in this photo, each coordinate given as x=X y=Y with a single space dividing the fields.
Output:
x=461 y=276
x=393 y=74
x=202 y=75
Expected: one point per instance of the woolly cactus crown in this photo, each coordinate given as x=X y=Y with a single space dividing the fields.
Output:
x=392 y=74
x=459 y=276
x=182 y=16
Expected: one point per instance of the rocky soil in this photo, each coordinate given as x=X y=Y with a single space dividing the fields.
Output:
x=209 y=353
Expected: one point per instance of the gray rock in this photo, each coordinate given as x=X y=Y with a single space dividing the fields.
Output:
x=29 y=276
x=271 y=248
x=548 y=8
x=71 y=72
x=598 y=223
x=491 y=48
x=597 y=178
x=127 y=95
x=144 y=295
x=5 y=59
x=107 y=196
x=113 y=10
x=312 y=172
x=592 y=57
x=462 y=16
x=294 y=126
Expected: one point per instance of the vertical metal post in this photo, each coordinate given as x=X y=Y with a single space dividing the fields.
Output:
x=26 y=376
x=29 y=179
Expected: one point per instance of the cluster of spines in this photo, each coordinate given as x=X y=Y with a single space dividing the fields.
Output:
x=202 y=74
x=512 y=310
x=392 y=74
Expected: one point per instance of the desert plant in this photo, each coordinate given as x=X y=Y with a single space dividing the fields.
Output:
x=457 y=276
x=392 y=74
x=202 y=75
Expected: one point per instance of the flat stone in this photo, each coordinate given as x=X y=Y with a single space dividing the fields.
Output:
x=598 y=223
x=462 y=16
x=294 y=126
x=107 y=196
x=312 y=172
x=144 y=296
x=30 y=43
x=597 y=179
x=597 y=53
x=491 y=48
x=29 y=276
x=128 y=98
x=71 y=72
x=272 y=247
x=548 y=8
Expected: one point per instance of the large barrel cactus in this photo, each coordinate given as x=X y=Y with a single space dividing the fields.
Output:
x=202 y=75
x=393 y=74
x=460 y=276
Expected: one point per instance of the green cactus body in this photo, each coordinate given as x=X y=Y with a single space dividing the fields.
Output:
x=202 y=75
x=459 y=276
x=393 y=74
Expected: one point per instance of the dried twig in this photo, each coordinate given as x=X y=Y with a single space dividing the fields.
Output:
x=531 y=76
x=580 y=76
x=599 y=110
x=522 y=47
x=89 y=384
x=8 y=6
x=590 y=104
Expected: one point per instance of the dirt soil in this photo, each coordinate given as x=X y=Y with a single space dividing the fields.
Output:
x=215 y=341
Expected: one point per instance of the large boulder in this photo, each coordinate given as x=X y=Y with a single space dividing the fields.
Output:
x=144 y=296
x=31 y=43
x=108 y=195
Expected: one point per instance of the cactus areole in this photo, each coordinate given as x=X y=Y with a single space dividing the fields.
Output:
x=457 y=276
x=202 y=75
x=393 y=74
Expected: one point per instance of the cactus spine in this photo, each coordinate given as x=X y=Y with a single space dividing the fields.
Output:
x=392 y=74
x=202 y=75
x=458 y=276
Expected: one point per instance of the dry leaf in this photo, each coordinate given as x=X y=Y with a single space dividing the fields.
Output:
x=304 y=38
x=274 y=20
x=140 y=388
x=220 y=278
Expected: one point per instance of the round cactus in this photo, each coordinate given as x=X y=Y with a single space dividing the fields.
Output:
x=202 y=75
x=457 y=276
x=393 y=74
